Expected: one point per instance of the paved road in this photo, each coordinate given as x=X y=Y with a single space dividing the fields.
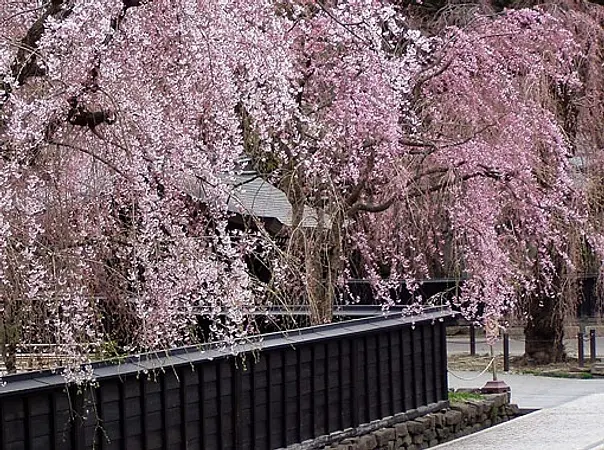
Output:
x=576 y=425
x=571 y=411
x=532 y=392
x=571 y=415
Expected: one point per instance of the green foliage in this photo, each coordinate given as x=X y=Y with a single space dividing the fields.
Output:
x=558 y=374
x=460 y=397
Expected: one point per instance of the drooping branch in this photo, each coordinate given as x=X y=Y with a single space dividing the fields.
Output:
x=93 y=155
x=416 y=191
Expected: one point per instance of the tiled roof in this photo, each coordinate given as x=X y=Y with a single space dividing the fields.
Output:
x=254 y=196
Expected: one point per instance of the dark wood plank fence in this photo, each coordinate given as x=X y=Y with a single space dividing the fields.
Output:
x=309 y=383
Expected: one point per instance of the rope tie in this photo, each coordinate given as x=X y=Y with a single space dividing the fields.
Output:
x=477 y=376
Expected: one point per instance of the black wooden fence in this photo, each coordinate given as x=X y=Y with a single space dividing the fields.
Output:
x=309 y=383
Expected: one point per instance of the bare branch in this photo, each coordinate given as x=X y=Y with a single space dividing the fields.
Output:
x=346 y=26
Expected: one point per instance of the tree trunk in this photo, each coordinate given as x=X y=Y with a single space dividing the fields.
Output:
x=322 y=263
x=316 y=249
x=8 y=338
x=319 y=292
x=544 y=331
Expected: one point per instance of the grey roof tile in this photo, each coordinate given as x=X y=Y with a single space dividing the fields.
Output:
x=253 y=195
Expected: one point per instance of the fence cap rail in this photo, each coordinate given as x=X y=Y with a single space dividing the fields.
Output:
x=178 y=357
x=356 y=311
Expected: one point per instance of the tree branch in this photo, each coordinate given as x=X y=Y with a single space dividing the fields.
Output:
x=25 y=64
x=80 y=116
x=90 y=119
x=380 y=207
x=487 y=172
x=355 y=194
x=94 y=156
x=430 y=73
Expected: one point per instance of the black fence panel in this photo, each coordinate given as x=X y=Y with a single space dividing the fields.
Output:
x=590 y=299
x=278 y=391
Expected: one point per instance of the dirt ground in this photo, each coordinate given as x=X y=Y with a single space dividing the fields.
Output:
x=518 y=364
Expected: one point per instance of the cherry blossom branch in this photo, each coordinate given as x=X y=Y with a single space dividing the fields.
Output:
x=346 y=26
x=93 y=154
x=25 y=63
x=487 y=172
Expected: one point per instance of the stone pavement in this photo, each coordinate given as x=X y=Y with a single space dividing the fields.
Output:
x=572 y=415
x=576 y=425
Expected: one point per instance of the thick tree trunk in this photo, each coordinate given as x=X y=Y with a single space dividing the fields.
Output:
x=544 y=331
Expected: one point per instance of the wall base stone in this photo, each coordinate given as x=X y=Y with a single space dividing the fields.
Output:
x=419 y=431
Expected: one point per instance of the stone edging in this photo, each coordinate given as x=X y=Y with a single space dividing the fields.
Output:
x=364 y=429
x=421 y=428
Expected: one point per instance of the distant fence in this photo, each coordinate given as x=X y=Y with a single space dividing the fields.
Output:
x=590 y=302
x=360 y=291
x=309 y=383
